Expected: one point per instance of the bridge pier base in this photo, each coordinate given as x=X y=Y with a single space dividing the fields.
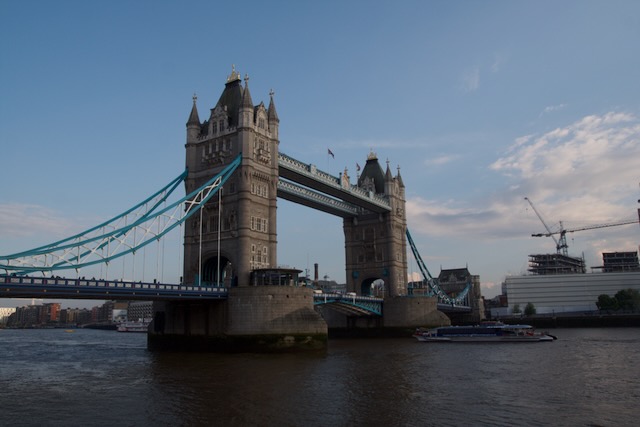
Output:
x=402 y=315
x=252 y=319
x=412 y=312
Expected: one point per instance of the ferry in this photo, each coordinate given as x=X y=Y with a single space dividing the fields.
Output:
x=485 y=332
x=140 y=326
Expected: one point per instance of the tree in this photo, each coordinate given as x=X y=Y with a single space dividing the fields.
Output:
x=530 y=309
x=628 y=299
x=516 y=309
x=605 y=302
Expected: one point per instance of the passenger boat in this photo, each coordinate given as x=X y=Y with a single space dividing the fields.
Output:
x=140 y=326
x=485 y=332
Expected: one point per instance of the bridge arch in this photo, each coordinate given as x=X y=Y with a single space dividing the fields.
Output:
x=210 y=270
x=373 y=286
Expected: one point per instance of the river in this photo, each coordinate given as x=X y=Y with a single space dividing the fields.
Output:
x=588 y=377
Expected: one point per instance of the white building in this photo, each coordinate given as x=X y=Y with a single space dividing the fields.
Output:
x=5 y=313
x=561 y=293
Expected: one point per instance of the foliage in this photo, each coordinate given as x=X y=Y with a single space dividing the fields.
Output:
x=530 y=309
x=516 y=309
x=605 y=302
x=626 y=299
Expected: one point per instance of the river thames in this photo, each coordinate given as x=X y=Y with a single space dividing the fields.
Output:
x=588 y=377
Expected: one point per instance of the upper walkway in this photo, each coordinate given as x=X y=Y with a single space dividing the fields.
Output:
x=307 y=185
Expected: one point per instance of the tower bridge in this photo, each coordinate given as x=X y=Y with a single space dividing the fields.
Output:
x=234 y=175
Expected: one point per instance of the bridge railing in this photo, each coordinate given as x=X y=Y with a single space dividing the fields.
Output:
x=366 y=304
x=101 y=284
x=312 y=171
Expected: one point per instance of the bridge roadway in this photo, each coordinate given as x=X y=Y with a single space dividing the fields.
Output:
x=99 y=289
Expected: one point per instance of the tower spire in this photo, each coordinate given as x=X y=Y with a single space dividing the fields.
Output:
x=271 y=112
x=193 y=124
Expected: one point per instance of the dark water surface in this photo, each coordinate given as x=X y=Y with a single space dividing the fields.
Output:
x=588 y=377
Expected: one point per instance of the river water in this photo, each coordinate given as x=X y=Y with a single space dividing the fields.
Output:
x=588 y=377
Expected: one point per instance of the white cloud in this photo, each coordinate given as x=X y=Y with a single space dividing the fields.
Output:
x=588 y=166
x=26 y=220
x=552 y=108
x=441 y=160
x=585 y=173
x=471 y=80
x=498 y=60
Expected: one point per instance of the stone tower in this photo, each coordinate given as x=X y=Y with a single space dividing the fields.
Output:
x=244 y=225
x=375 y=244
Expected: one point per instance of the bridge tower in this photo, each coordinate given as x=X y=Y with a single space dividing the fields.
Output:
x=247 y=215
x=375 y=244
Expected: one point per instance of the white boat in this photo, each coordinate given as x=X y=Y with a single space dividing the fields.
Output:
x=141 y=325
x=485 y=332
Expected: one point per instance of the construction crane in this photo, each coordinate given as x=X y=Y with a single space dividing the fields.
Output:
x=561 y=244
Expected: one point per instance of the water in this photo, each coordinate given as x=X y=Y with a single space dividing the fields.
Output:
x=588 y=377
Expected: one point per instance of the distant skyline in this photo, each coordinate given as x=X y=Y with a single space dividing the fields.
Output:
x=479 y=105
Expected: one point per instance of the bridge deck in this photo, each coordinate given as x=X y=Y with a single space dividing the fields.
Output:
x=51 y=287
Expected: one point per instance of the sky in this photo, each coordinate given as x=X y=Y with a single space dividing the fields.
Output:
x=479 y=105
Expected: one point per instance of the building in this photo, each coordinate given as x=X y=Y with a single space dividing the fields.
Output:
x=553 y=292
x=140 y=310
x=619 y=261
x=544 y=264
x=564 y=293
x=455 y=280
x=5 y=312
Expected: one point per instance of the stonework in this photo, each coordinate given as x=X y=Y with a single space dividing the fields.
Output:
x=375 y=244
x=247 y=234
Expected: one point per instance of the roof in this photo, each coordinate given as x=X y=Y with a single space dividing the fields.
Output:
x=372 y=172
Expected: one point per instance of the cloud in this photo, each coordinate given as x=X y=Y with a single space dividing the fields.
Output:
x=498 y=60
x=441 y=160
x=585 y=173
x=471 y=80
x=592 y=161
x=26 y=220
x=552 y=108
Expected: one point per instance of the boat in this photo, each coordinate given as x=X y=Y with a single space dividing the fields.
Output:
x=485 y=332
x=141 y=325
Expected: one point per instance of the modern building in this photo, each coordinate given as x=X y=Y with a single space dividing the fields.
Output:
x=552 y=292
x=5 y=312
x=619 y=261
x=140 y=310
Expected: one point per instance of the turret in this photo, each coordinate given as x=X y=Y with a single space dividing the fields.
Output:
x=193 y=124
x=245 y=112
x=274 y=121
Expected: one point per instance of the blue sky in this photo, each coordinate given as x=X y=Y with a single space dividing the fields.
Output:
x=479 y=103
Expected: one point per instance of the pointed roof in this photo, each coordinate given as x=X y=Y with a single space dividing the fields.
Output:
x=399 y=178
x=193 y=117
x=231 y=97
x=246 y=95
x=271 y=112
x=372 y=171
x=387 y=174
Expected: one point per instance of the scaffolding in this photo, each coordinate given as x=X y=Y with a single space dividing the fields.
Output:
x=543 y=264
x=619 y=261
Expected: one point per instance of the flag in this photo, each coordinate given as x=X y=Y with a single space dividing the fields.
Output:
x=357 y=167
x=329 y=152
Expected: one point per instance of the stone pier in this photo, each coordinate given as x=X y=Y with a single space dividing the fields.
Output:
x=252 y=319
